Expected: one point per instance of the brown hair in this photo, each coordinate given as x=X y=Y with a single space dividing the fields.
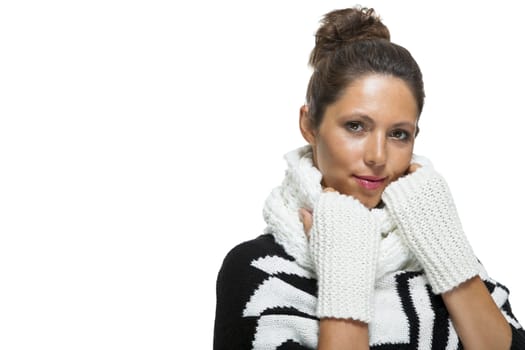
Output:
x=350 y=44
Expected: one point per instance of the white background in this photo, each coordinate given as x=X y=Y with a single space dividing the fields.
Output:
x=139 y=140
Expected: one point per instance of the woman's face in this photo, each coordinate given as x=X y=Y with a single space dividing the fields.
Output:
x=366 y=137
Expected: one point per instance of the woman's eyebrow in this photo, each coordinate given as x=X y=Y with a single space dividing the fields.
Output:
x=367 y=119
x=404 y=124
x=359 y=115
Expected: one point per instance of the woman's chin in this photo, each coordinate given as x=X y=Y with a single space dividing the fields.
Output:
x=369 y=202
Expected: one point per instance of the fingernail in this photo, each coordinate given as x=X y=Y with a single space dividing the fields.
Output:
x=301 y=214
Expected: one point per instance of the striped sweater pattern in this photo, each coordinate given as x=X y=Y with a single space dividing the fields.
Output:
x=265 y=300
x=267 y=287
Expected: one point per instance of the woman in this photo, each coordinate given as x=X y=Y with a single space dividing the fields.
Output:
x=363 y=248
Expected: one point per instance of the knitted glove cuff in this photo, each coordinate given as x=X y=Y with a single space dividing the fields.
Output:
x=422 y=207
x=344 y=243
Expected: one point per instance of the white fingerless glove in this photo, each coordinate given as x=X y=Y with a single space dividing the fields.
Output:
x=344 y=244
x=422 y=207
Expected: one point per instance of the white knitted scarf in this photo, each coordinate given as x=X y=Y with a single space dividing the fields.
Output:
x=301 y=187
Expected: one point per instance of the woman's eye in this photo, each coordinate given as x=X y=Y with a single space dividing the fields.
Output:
x=400 y=135
x=354 y=126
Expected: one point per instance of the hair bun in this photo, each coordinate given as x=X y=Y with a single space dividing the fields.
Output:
x=342 y=27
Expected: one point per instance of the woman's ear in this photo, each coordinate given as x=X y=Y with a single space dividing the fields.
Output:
x=306 y=125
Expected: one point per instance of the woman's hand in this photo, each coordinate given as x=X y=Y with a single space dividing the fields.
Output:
x=412 y=168
x=306 y=215
x=423 y=209
x=343 y=243
x=342 y=332
x=307 y=219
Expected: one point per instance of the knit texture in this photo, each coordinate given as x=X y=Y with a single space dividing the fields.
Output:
x=344 y=242
x=301 y=188
x=267 y=301
x=423 y=209
x=267 y=287
x=518 y=339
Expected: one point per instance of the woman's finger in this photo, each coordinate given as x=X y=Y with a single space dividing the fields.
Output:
x=413 y=167
x=307 y=219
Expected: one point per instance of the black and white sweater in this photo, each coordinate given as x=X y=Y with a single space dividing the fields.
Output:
x=265 y=300
x=267 y=287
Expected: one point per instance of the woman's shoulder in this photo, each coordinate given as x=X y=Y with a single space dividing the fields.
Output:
x=258 y=280
x=251 y=263
x=245 y=253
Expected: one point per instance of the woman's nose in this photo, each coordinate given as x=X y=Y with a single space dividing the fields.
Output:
x=375 y=152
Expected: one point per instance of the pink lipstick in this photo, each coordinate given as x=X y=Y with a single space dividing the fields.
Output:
x=370 y=182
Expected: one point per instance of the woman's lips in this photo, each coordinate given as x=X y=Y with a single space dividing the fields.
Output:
x=370 y=182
